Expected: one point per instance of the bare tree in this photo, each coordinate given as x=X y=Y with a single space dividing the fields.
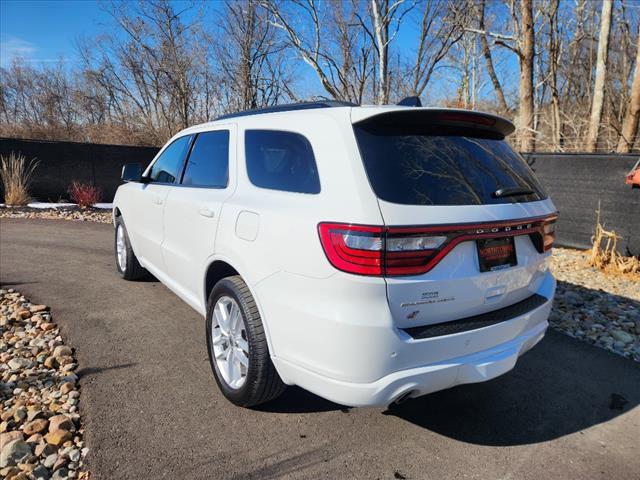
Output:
x=486 y=53
x=386 y=18
x=554 y=54
x=250 y=56
x=327 y=42
x=526 y=54
x=522 y=43
x=629 y=133
x=152 y=72
x=161 y=67
x=601 y=71
x=441 y=27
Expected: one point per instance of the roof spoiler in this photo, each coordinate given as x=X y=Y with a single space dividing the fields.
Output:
x=450 y=117
x=410 y=102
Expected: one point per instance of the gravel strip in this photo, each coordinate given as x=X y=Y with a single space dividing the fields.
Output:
x=40 y=433
x=63 y=213
x=599 y=308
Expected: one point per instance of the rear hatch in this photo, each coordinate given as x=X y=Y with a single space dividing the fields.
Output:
x=467 y=225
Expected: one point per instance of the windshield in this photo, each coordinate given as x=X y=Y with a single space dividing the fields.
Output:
x=443 y=166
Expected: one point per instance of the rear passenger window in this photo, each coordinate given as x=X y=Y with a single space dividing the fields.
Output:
x=281 y=161
x=208 y=164
x=166 y=168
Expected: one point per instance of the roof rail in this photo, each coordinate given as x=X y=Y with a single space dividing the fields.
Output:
x=289 y=107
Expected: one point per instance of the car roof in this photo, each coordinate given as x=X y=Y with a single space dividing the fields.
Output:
x=356 y=114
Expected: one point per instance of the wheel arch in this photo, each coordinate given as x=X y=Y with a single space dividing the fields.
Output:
x=219 y=268
x=115 y=214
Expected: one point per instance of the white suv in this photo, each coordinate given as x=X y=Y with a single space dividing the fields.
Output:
x=367 y=254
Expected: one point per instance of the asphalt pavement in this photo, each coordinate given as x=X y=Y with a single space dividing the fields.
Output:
x=152 y=409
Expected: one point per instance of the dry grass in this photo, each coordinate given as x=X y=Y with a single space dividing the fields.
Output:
x=16 y=178
x=604 y=255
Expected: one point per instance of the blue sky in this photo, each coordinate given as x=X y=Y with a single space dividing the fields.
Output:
x=47 y=30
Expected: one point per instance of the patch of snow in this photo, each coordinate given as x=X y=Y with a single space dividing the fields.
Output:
x=50 y=205
x=45 y=205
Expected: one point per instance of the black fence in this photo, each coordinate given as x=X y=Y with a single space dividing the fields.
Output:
x=577 y=183
x=60 y=163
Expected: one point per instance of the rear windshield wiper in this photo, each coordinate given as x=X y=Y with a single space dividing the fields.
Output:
x=511 y=192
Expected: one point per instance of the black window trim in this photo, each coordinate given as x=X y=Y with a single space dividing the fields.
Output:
x=186 y=161
x=244 y=146
x=180 y=170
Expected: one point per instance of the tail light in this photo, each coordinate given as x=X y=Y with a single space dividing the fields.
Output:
x=353 y=248
x=548 y=234
x=393 y=251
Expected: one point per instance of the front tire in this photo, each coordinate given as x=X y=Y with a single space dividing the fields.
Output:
x=237 y=346
x=127 y=263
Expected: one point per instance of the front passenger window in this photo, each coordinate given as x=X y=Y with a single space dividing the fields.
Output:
x=168 y=166
x=208 y=164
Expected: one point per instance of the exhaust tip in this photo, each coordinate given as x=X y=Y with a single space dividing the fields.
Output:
x=404 y=397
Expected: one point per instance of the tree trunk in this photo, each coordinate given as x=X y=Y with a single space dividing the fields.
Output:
x=601 y=71
x=527 y=137
x=486 y=52
x=630 y=123
x=381 y=32
x=554 y=56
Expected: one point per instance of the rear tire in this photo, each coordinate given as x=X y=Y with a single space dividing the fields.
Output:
x=127 y=263
x=244 y=385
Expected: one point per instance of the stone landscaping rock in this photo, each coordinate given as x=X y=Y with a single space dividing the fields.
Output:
x=39 y=393
x=14 y=452
x=596 y=307
x=50 y=460
x=58 y=437
x=622 y=336
x=66 y=387
x=62 y=474
x=60 y=422
x=19 y=363
x=62 y=351
x=40 y=473
x=36 y=426
x=9 y=437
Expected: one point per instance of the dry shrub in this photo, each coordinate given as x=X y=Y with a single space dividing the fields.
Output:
x=84 y=194
x=16 y=178
x=604 y=255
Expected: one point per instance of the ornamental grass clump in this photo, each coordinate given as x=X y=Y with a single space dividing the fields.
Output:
x=84 y=194
x=16 y=174
x=604 y=254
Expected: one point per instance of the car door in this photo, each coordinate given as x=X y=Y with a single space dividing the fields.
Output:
x=193 y=208
x=145 y=208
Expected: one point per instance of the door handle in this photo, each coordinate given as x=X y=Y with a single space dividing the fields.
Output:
x=206 y=212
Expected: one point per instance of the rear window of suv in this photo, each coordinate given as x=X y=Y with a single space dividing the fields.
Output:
x=438 y=165
x=281 y=160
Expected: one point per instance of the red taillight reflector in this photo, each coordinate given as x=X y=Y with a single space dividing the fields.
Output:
x=353 y=248
x=368 y=250
x=548 y=234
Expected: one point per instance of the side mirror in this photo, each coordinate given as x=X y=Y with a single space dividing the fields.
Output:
x=132 y=172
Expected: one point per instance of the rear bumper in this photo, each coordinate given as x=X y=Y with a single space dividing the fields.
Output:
x=476 y=367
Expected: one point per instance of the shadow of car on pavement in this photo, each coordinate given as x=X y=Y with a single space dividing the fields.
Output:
x=560 y=387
